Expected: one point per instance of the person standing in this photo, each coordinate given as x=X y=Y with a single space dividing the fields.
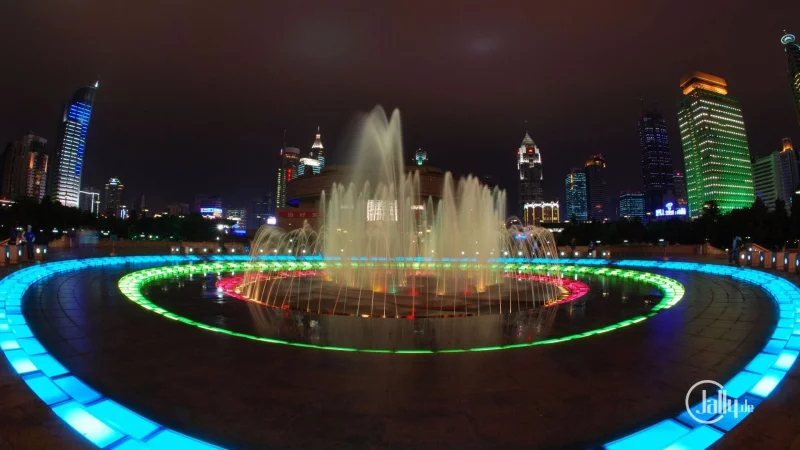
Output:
x=735 y=246
x=29 y=238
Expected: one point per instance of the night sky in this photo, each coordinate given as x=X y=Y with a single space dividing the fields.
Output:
x=194 y=95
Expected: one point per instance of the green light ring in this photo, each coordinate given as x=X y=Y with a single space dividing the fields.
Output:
x=131 y=286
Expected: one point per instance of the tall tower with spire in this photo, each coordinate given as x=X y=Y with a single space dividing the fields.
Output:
x=793 y=54
x=320 y=152
x=529 y=165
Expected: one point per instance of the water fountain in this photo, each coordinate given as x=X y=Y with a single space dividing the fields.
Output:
x=386 y=251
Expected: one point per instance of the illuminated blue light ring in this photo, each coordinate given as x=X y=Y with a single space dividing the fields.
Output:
x=755 y=383
x=77 y=404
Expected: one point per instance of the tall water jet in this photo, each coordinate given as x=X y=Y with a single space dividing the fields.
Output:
x=391 y=252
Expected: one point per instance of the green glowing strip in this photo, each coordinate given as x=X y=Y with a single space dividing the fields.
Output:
x=131 y=285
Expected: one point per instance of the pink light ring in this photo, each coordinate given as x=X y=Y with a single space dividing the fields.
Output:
x=575 y=289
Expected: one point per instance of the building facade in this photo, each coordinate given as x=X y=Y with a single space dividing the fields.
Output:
x=679 y=181
x=575 y=196
x=67 y=162
x=767 y=179
x=790 y=173
x=596 y=193
x=657 y=174
x=793 y=55
x=529 y=167
x=715 y=149
x=318 y=150
x=290 y=159
x=113 y=197
x=541 y=212
x=90 y=200
x=632 y=205
x=23 y=168
x=208 y=206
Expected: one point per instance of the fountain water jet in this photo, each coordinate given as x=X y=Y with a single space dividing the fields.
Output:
x=390 y=252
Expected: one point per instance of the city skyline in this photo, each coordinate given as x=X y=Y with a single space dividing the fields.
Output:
x=123 y=140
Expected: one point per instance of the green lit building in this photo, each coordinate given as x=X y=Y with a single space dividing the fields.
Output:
x=714 y=141
x=793 y=56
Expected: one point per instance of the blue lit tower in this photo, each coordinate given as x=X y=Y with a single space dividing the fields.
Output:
x=320 y=152
x=67 y=166
x=575 y=193
x=659 y=187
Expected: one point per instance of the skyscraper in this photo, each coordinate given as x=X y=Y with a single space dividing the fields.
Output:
x=632 y=205
x=320 y=151
x=23 y=168
x=790 y=174
x=67 y=164
x=679 y=180
x=793 y=54
x=715 y=149
x=656 y=161
x=290 y=158
x=421 y=157
x=529 y=165
x=90 y=200
x=575 y=190
x=113 y=197
x=767 y=176
x=596 y=195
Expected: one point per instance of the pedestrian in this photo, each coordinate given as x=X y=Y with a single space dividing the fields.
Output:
x=590 y=251
x=735 y=246
x=29 y=238
x=572 y=244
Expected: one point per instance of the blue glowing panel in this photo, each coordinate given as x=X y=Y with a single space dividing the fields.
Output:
x=698 y=439
x=657 y=436
x=77 y=390
x=785 y=360
x=782 y=333
x=32 y=346
x=768 y=383
x=730 y=420
x=761 y=363
x=170 y=440
x=49 y=365
x=43 y=387
x=86 y=424
x=20 y=361
x=131 y=444
x=122 y=419
x=741 y=383
x=794 y=343
x=687 y=419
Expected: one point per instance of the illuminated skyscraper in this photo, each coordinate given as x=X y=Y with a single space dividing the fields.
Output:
x=714 y=141
x=596 y=195
x=113 y=197
x=290 y=159
x=90 y=200
x=679 y=180
x=67 y=164
x=790 y=174
x=529 y=165
x=656 y=161
x=23 y=168
x=320 y=151
x=575 y=193
x=421 y=157
x=793 y=54
x=632 y=205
